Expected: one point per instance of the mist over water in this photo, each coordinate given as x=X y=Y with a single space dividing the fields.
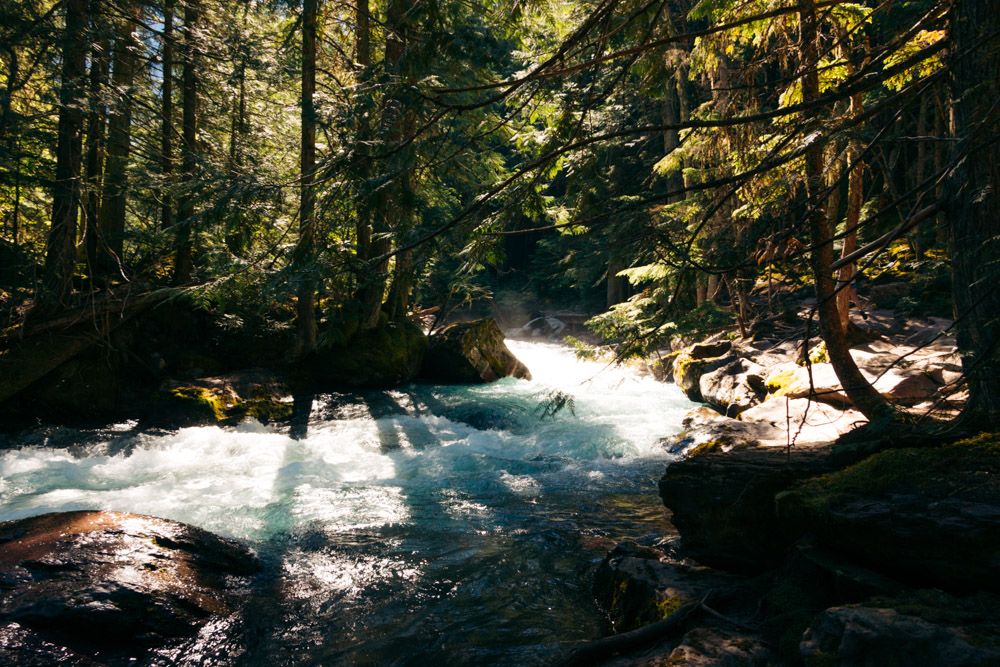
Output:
x=449 y=523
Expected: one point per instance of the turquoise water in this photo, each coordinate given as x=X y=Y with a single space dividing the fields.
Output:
x=456 y=524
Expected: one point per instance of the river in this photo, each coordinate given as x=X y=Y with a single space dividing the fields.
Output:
x=456 y=525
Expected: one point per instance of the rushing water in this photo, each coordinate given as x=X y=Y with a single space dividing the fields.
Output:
x=448 y=524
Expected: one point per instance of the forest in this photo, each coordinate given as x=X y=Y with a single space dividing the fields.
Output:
x=215 y=210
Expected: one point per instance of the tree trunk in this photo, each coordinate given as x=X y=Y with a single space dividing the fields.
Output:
x=868 y=401
x=390 y=208
x=305 y=309
x=99 y=70
x=183 y=265
x=60 y=246
x=167 y=115
x=855 y=200
x=974 y=204
x=114 y=201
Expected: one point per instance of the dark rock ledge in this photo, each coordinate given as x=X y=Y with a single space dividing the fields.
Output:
x=826 y=555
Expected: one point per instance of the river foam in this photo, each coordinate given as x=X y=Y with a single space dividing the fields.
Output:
x=422 y=503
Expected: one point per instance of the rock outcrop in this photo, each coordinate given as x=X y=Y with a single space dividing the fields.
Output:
x=101 y=583
x=931 y=516
x=734 y=388
x=471 y=352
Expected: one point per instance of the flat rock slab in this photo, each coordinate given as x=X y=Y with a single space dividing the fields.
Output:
x=95 y=581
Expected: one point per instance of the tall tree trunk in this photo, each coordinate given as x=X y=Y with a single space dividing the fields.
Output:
x=114 y=201
x=60 y=246
x=167 y=115
x=855 y=200
x=183 y=266
x=389 y=208
x=99 y=69
x=371 y=283
x=974 y=204
x=868 y=401
x=305 y=309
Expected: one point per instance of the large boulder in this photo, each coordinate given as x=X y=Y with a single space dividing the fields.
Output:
x=388 y=355
x=930 y=516
x=733 y=388
x=471 y=352
x=864 y=636
x=723 y=504
x=690 y=364
x=101 y=583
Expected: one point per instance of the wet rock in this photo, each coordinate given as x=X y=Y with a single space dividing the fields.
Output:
x=723 y=504
x=866 y=636
x=471 y=352
x=254 y=393
x=733 y=388
x=96 y=583
x=637 y=585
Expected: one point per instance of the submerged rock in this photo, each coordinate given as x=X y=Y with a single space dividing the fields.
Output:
x=472 y=352
x=100 y=582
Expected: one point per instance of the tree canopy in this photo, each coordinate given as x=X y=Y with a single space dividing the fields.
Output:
x=669 y=166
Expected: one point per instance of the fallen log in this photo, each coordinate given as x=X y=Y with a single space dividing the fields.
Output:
x=27 y=354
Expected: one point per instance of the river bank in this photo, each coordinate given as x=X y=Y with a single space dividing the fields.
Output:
x=803 y=536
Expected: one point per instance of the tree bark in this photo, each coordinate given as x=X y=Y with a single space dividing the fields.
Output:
x=305 y=309
x=183 y=264
x=114 y=201
x=167 y=115
x=388 y=208
x=855 y=200
x=868 y=401
x=96 y=123
x=974 y=204
x=60 y=246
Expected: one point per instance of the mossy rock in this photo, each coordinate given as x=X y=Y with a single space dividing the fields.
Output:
x=928 y=516
x=226 y=399
x=388 y=355
x=691 y=364
x=472 y=352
